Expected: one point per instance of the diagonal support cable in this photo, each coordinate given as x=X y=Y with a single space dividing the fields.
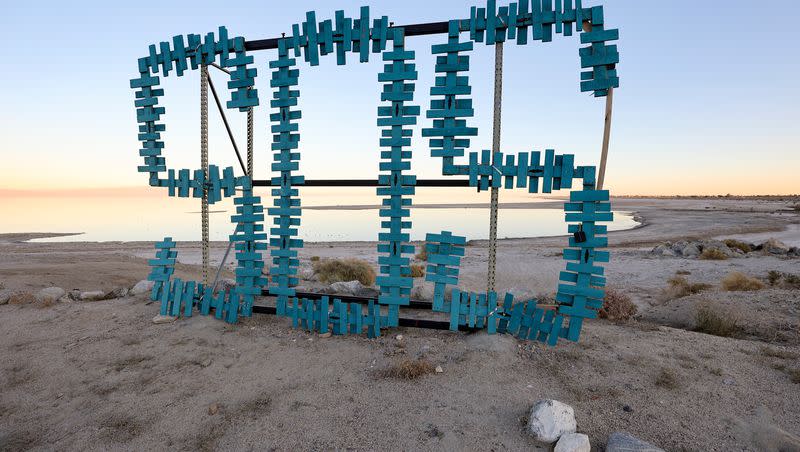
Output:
x=227 y=126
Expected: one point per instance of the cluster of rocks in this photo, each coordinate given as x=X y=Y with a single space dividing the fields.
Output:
x=52 y=295
x=553 y=423
x=694 y=248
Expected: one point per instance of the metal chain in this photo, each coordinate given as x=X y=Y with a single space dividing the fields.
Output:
x=493 y=206
x=204 y=165
x=250 y=142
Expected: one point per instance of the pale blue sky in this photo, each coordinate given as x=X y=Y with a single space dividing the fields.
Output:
x=708 y=101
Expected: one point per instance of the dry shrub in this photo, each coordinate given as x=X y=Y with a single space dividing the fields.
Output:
x=409 y=369
x=314 y=258
x=617 y=306
x=21 y=298
x=417 y=271
x=713 y=319
x=794 y=375
x=736 y=281
x=791 y=281
x=681 y=287
x=773 y=276
x=335 y=270
x=779 y=353
x=713 y=254
x=423 y=253
x=736 y=244
x=667 y=378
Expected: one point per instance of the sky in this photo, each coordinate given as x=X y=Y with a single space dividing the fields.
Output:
x=707 y=104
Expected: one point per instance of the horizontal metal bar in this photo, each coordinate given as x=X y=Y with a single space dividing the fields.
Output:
x=414 y=304
x=367 y=183
x=432 y=28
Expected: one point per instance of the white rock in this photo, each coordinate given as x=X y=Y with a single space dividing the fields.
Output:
x=306 y=272
x=348 y=287
x=624 y=442
x=142 y=287
x=399 y=337
x=50 y=294
x=164 y=319
x=573 y=442
x=773 y=246
x=550 y=419
x=92 y=295
x=424 y=291
x=439 y=369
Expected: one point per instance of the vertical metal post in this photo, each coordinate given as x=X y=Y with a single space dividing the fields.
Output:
x=250 y=142
x=493 y=207
x=204 y=165
x=606 y=135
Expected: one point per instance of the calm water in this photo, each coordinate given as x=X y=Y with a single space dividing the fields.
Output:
x=133 y=218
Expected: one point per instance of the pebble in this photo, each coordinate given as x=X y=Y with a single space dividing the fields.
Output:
x=573 y=442
x=328 y=334
x=729 y=381
x=627 y=409
x=438 y=369
x=213 y=409
x=625 y=442
x=92 y=295
x=399 y=337
x=142 y=287
x=159 y=319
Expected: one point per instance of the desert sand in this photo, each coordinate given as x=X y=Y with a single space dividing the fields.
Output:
x=101 y=375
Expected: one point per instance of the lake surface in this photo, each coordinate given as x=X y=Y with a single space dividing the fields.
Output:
x=151 y=218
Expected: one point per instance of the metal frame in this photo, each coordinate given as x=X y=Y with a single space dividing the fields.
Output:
x=430 y=28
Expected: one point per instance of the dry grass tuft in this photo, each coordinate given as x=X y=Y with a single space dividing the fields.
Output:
x=681 y=287
x=779 y=353
x=314 y=258
x=713 y=254
x=667 y=379
x=617 y=306
x=409 y=369
x=335 y=270
x=713 y=319
x=417 y=270
x=737 y=281
x=736 y=244
x=794 y=375
x=423 y=253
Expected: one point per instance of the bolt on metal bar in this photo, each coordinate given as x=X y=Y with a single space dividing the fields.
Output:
x=204 y=81
x=494 y=202
x=225 y=121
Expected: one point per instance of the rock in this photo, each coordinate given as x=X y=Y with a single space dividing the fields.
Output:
x=306 y=272
x=213 y=409
x=439 y=369
x=369 y=292
x=4 y=296
x=74 y=294
x=664 y=250
x=550 y=419
x=624 y=442
x=627 y=409
x=328 y=334
x=50 y=294
x=159 y=319
x=729 y=381
x=93 y=295
x=348 y=287
x=691 y=249
x=794 y=251
x=142 y=287
x=119 y=292
x=773 y=246
x=399 y=337
x=21 y=298
x=717 y=245
x=423 y=292
x=573 y=442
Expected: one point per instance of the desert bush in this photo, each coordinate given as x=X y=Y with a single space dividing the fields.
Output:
x=713 y=319
x=617 y=306
x=409 y=369
x=423 y=253
x=314 y=258
x=794 y=375
x=736 y=244
x=779 y=353
x=736 y=281
x=681 y=287
x=773 y=276
x=713 y=254
x=791 y=281
x=334 y=270
x=667 y=378
x=417 y=270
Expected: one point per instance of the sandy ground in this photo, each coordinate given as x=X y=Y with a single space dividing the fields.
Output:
x=101 y=375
